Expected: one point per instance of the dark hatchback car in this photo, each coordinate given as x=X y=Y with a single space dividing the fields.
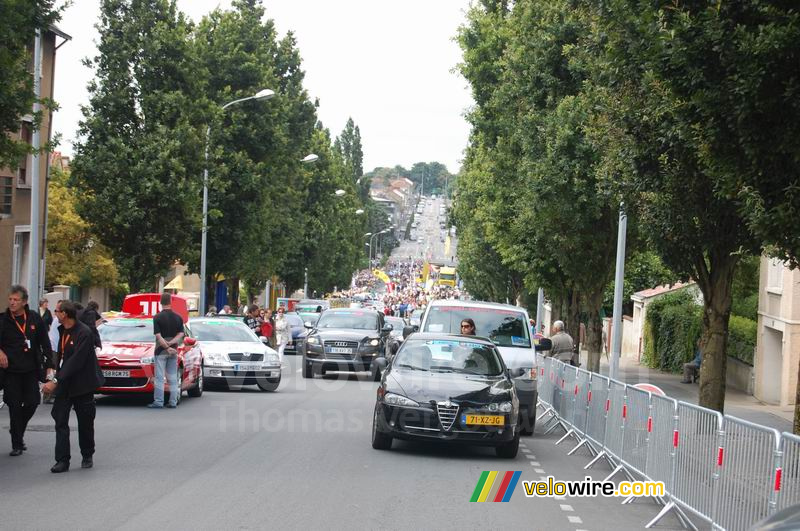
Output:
x=452 y=389
x=345 y=339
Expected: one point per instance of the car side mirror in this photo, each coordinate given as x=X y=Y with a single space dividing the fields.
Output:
x=408 y=330
x=190 y=341
x=264 y=339
x=309 y=325
x=514 y=373
x=543 y=344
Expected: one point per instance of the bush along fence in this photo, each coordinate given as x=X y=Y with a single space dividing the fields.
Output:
x=726 y=471
x=673 y=325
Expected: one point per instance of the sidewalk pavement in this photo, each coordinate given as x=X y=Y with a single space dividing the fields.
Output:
x=737 y=403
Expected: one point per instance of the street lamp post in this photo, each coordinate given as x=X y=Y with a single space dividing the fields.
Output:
x=261 y=95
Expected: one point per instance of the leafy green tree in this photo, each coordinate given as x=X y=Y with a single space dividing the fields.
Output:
x=74 y=254
x=19 y=20
x=544 y=209
x=136 y=164
x=698 y=119
x=257 y=183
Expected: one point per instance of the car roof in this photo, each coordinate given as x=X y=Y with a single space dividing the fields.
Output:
x=428 y=336
x=216 y=320
x=351 y=310
x=475 y=304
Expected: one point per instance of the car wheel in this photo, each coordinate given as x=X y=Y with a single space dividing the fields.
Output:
x=380 y=441
x=308 y=370
x=527 y=423
x=197 y=390
x=509 y=450
x=268 y=385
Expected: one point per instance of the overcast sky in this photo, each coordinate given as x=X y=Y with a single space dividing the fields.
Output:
x=386 y=64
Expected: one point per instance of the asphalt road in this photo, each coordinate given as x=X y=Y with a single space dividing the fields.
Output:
x=429 y=244
x=297 y=458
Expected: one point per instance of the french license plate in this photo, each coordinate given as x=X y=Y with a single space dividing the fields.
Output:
x=340 y=350
x=117 y=374
x=483 y=420
x=247 y=367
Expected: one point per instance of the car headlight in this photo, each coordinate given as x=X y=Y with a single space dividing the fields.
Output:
x=374 y=343
x=273 y=358
x=505 y=407
x=215 y=359
x=495 y=407
x=312 y=340
x=398 y=400
x=147 y=360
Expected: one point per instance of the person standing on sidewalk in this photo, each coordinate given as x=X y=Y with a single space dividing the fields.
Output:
x=283 y=332
x=691 y=370
x=563 y=346
x=45 y=314
x=77 y=379
x=25 y=354
x=268 y=327
x=251 y=319
x=168 y=328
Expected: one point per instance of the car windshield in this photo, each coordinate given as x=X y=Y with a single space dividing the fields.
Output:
x=356 y=320
x=294 y=320
x=222 y=331
x=127 y=330
x=445 y=355
x=310 y=317
x=506 y=328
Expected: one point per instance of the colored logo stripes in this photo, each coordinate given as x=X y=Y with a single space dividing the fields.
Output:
x=496 y=486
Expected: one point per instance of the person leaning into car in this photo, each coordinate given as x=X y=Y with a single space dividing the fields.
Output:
x=77 y=378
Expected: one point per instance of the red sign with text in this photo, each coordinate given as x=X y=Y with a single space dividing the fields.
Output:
x=150 y=304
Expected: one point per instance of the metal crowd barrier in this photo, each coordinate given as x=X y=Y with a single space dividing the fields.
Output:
x=726 y=471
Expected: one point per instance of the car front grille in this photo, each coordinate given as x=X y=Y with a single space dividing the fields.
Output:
x=447 y=414
x=115 y=381
x=238 y=356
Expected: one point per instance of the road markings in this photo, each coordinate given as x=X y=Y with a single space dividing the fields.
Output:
x=539 y=470
x=575 y=519
x=535 y=463
x=299 y=370
x=567 y=508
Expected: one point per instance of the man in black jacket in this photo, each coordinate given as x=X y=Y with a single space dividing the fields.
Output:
x=24 y=353
x=74 y=385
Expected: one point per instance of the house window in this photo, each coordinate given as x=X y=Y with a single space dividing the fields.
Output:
x=775 y=275
x=26 y=164
x=6 y=194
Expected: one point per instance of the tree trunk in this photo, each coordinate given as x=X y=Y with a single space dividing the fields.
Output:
x=594 y=332
x=715 y=282
x=233 y=298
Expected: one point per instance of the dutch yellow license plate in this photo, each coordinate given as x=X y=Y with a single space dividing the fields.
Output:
x=484 y=420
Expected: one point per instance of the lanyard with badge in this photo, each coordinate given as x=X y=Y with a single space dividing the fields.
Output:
x=22 y=329
x=64 y=341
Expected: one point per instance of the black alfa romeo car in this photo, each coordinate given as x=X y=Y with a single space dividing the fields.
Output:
x=447 y=388
x=345 y=340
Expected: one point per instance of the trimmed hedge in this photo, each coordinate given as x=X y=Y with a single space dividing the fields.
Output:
x=742 y=338
x=672 y=327
x=673 y=324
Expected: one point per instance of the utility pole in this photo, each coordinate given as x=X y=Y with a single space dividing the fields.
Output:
x=34 y=262
x=305 y=283
x=619 y=279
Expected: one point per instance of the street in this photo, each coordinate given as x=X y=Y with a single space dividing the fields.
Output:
x=298 y=458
